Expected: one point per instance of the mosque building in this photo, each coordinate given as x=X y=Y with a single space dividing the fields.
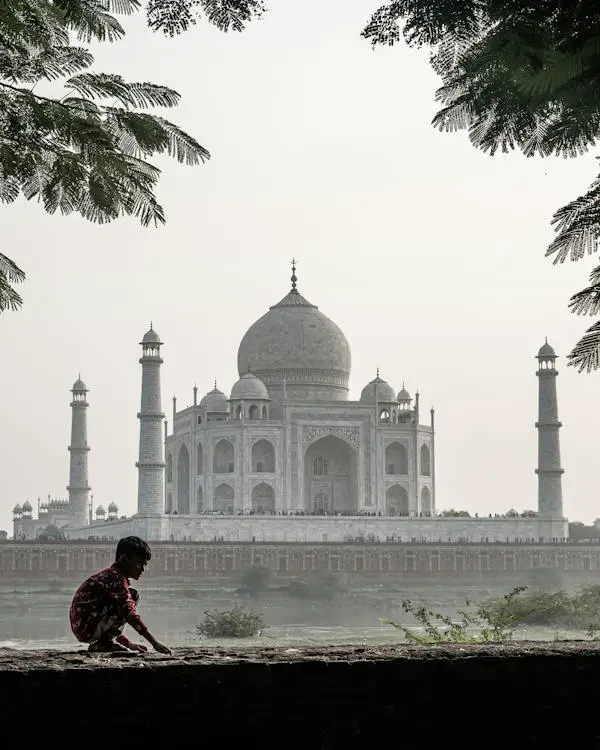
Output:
x=288 y=456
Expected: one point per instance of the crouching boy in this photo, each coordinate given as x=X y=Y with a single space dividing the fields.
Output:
x=105 y=603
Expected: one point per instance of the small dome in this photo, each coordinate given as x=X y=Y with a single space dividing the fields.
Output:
x=546 y=351
x=249 y=387
x=100 y=511
x=79 y=385
x=378 y=390
x=113 y=508
x=214 y=401
x=17 y=509
x=151 y=337
x=27 y=507
x=404 y=395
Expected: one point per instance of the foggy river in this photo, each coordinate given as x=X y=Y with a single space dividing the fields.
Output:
x=36 y=615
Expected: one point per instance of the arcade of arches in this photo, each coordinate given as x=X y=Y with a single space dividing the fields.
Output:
x=330 y=476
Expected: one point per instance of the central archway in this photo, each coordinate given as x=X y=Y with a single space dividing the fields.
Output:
x=330 y=477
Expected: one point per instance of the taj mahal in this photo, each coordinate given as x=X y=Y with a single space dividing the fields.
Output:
x=287 y=456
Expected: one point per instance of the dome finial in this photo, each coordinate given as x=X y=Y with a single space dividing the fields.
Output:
x=294 y=277
x=151 y=326
x=215 y=384
x=378 y=372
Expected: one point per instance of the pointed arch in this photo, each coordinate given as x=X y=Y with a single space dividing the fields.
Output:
x=169 y=505
x=265 y=412
x=199 y=459
x=426 y=501
x=263 y=456
x=263 y=499
x=224 y=498
x=223 y=458
x=183 y=480
x=425 y=456
x=331 y=475
x=199 y=500
x=396 y=458
x=396 y=501
x=253 y=412
x=169 y=468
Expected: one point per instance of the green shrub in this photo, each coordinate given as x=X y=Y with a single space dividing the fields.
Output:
x=233 y=623
x=490 y=622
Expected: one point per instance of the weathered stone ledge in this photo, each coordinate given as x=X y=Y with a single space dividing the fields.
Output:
x=525 y=694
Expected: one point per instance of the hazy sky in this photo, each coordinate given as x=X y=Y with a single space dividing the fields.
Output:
x=428 y=254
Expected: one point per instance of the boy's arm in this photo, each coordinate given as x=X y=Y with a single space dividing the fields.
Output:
x=138 y=625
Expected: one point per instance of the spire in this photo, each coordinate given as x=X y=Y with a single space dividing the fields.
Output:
x=215 y=384
x=378 y=372
x=151 y=326
x=294 y=277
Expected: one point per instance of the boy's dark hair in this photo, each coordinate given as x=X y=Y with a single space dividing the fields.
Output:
x=133 y=546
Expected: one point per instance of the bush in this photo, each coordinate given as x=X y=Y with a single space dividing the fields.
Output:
x=494 y=621
x=490 y=622
x=233 y=623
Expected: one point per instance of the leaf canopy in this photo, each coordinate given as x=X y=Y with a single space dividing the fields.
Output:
x=523 y=76
x=86 y=149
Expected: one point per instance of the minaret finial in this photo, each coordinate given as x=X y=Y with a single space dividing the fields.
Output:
x=294 y=277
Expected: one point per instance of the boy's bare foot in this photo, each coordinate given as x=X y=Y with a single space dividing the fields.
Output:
x=108 y=647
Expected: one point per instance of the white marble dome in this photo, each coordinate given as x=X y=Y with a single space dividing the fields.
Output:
x=249 y=388
x=214 y=401
x=404 y=395
x=296 y=343
x=27 y=507
x=113 y=508
x=378 y=390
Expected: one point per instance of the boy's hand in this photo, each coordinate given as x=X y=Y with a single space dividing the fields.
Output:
x=161 y=648
x=138 y=647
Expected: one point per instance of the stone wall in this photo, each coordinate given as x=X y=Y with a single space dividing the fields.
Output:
x=23 y=560
x=513 y=696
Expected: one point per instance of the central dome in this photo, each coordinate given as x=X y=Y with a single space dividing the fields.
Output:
x=295 y=344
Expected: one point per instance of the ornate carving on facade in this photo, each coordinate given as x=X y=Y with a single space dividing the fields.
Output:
x=350 y=435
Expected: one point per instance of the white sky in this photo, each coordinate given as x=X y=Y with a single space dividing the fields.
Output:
x=428 y=254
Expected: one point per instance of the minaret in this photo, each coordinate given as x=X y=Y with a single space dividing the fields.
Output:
x=550 y=504
x=151 y=465
x=78 y=486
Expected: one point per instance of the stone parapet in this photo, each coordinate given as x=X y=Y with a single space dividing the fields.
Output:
x=467 y=696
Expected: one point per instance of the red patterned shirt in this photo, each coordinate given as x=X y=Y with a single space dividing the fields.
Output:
x=104 y=594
